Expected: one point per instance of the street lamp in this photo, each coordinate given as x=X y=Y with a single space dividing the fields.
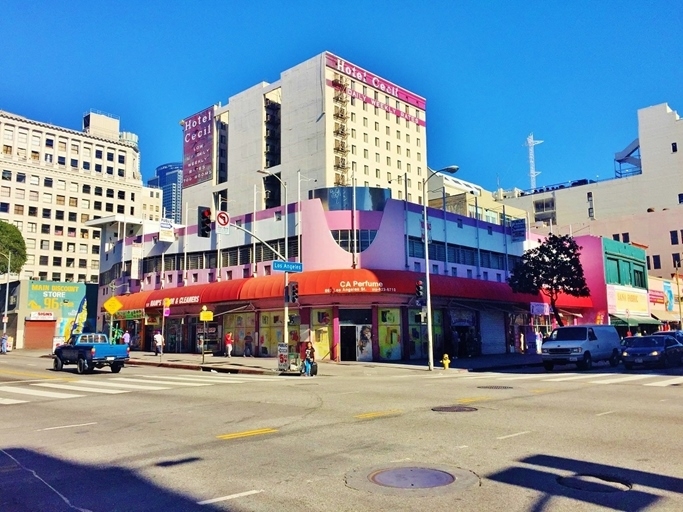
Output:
x=285 y=298
x=113 y=287
x=452 y=169
x=9 y=264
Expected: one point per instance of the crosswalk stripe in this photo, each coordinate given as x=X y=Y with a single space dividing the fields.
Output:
x=80 y=388
x=217 y=380
x=161 y=382
x=37 y=392
x=124 y=386
x=578 y=377
x=628 y=378
x=522 y=377
x=668 y=382
x=10 y=401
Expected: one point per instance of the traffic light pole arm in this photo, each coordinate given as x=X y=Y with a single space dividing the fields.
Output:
x=260 y=240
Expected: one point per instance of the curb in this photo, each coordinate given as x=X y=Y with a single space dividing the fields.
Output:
x=199 y=367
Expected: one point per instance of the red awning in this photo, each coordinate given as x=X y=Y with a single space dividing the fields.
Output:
x=223 y=291
x=179 y=296
x=133 y=301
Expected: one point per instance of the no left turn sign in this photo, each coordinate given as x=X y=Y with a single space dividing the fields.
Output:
x=223 y=219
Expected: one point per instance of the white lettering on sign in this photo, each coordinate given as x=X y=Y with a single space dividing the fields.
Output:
x=361 y=287
x=190 y=299
x=399 y=113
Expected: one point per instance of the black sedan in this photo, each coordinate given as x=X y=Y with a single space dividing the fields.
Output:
x=662 y=351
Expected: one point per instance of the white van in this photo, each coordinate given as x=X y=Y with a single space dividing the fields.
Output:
x=581 y=345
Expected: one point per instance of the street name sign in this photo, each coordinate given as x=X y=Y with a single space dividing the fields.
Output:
x=288 y=266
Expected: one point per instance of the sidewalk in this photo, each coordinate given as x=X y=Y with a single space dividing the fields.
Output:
x=268 y=365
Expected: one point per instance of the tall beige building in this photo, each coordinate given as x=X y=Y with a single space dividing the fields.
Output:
x=55 y=180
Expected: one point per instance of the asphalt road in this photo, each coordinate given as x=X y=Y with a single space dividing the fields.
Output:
x=153 y=439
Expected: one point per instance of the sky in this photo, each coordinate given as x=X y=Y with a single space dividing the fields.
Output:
x=573 y=73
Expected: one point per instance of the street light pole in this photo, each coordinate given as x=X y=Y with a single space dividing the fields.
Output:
x=425 y=198
x=286 y=276
x=4 y=318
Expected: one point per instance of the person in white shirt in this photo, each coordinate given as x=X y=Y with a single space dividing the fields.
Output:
x=126 y=338
x=158 y=344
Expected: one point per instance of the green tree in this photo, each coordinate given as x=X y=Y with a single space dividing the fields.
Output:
x=11 y=241
x=551 y=268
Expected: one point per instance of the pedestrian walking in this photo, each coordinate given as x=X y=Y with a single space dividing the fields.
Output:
x=228 y=344
x=247 y=345
x=3 y=344
x=309 y=359
x=158 y=344
x=126 y=338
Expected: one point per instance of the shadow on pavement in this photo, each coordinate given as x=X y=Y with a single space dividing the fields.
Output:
x=32 y=481
x=591 y=483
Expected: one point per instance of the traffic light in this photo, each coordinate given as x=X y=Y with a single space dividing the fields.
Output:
x=204 y=221
x=419 y=290
x=293 y=291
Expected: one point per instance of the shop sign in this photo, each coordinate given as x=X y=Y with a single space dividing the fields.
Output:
x=282 y=357
x=539 y=308
x=133 y=314
x=176 y=301
x=360 y=287
x=656 y=297
x=621 y=299
x=41 y=315
x=152 y=320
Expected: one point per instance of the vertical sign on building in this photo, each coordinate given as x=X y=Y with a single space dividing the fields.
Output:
x=198 y=147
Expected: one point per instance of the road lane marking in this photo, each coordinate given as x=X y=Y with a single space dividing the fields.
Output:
x=81 y=388
x=123 y=386
x=247 y=433
x=605 y=413
x=38 y=392
x=514 y=435
x=377 y=414
x=628 y=378
x=67 y=426
x=473 y=399
x=668 y=382
x=29 y=374
x=11 y=401
x=230 y=497
x=162 y=382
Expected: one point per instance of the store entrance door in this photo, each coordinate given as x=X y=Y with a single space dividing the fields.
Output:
x=348 y=342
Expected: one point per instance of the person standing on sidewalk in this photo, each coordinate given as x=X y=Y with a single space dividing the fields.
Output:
x=158 y=344
x=228 y=344
x=126 y=338
x=3 y=344
x=310 y=359
x=247 y=345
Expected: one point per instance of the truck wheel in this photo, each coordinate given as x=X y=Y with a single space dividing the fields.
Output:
x=549 y=366
x=587 y=362
x=614 y=360
x=116 y=367
x=57 y=364
x=82 y=366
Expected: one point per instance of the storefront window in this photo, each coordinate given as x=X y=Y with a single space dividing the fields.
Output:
x=270 y=332
x=390 y=334
x=242 y=327
x=321 y=332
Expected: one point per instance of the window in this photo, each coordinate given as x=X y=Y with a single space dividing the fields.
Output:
x=110 y=157
x=98 y=167
x=122 y=159
x=47 y=213
x=625 y=238
x=389 y=160
x=7 y=175
x=674 y=237
x=19 y=193
x=47 y=198
x=59 y=215
x=86 y=166
x=98 y=205
x=674 y=147
x=61 y=200
x=98 y=191
x=86 y=189
x=57 y=246
x=616 y=237
x=73 y=201
x=21 y=177
x=676 y=259
x=366 y=153
x=656 y=262
x=49 y=143
x=85 y=217
x=110 y=193
x=18 y=209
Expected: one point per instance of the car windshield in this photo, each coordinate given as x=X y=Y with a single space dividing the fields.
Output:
x=645 y=341
x=569 y=334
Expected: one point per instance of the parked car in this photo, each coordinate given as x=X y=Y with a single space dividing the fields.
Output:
x=89 y=351
x=581 y=345
x=676 y=334
x=664 y=351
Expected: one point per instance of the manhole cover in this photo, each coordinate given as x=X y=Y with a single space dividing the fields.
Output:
x=494 y=387
x=595 y=483
x=454 y=408
x=411 y=478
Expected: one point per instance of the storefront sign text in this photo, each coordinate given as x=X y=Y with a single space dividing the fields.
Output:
x=360 y=287
x=176 y=301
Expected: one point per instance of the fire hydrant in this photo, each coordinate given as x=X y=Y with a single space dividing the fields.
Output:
x=446 y=362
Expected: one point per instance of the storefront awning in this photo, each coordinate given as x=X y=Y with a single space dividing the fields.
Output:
x=134 y=301
x=666 y=316
x=223 y=291
x=179 y=296
x=633 y=320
